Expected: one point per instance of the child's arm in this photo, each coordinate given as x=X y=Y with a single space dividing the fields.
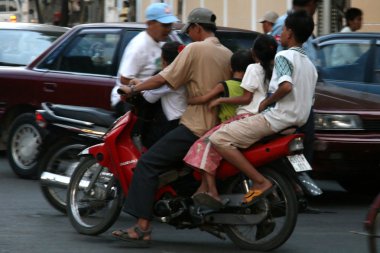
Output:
x=245 y=99
x=283 y=89
x=219 y=88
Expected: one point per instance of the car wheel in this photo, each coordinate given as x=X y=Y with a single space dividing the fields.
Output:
x=24 y=139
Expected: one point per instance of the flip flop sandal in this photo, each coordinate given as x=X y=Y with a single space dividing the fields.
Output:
x=204 y=199
x=254 y=196
x=138 y=242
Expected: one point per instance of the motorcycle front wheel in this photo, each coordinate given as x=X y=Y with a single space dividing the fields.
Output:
x=282 y=209
x=94 y=198
x=61 y=159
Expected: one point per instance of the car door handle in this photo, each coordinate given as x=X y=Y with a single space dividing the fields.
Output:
x=50 y=87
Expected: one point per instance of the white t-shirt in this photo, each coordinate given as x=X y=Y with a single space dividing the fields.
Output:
x=294 y=108
x=141 y=59
x=253 y=81
x=174 y=102
x=346 y=29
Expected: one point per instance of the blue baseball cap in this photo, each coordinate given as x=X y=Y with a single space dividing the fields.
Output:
x=160 y=12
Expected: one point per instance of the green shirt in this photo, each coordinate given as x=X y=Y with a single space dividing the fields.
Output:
x=231 y=89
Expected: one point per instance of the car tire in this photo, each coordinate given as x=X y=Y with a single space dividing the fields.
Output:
x=24 y=140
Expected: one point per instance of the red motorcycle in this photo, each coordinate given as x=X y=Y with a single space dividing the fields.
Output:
x=101 y=180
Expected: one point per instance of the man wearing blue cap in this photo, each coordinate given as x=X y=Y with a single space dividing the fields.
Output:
x=141 y=58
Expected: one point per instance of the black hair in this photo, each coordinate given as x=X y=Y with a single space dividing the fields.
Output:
x=353 y=13
x=265 y=48
x=170 y=50
x=301 y=24
x=241 y=59
x=207 y=27
x=302 y=3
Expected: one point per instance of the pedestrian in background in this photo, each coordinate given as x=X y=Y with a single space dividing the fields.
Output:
x=268 y=20
x=354 y=19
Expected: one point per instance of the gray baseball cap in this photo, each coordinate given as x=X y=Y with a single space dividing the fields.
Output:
x=199 y=16
x=269 y=16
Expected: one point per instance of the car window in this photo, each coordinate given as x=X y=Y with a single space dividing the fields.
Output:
x=344 y=61
x=20 y=47
x=92 y=53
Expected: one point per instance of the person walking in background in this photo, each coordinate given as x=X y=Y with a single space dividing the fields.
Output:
x=268 y=20
x=310 y=7
x=354 y=19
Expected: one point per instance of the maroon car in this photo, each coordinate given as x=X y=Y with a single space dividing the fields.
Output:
x=78 y=69
x=347 y=111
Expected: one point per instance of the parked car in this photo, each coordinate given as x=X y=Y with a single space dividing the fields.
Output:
x=347 y=110
x=21 y=43
x=72 y=72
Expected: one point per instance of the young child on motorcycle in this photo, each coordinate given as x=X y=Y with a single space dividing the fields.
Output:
x=292 y=86
x=255 y=66
x=164 y=106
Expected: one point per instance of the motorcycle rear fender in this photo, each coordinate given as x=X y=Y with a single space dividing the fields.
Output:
x=260 y=154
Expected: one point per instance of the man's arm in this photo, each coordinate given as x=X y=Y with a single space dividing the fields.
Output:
x=219 y=88
x=283 y=89
x=152 y=83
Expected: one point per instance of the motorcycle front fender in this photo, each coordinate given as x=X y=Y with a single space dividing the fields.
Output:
x=98 y=152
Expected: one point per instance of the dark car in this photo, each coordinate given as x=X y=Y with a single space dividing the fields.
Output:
x=347 y=110
x=21 y=43
x=79 y=69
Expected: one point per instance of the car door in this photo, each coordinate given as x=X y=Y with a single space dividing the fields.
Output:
x=348 y=63
x=82 y=71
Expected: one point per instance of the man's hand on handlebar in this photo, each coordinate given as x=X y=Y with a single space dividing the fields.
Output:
x=128 y=90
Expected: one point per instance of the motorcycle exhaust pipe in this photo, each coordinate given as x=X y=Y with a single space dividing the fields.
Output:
x=59 y=181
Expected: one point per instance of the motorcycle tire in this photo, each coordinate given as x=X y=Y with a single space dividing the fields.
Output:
x=61 y=158
x=23 y=142
x=93 y=210
x=282 y=210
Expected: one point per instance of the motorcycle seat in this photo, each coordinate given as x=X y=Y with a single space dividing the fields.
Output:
x=95 y=115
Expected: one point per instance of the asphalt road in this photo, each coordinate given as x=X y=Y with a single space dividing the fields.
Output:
x=29 y=225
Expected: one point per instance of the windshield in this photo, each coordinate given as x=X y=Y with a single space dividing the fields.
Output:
x=20 y=47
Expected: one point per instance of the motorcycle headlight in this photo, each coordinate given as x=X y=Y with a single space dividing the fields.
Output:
x=337 y=122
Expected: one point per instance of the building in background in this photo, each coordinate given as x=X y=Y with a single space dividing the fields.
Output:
x=234 y=13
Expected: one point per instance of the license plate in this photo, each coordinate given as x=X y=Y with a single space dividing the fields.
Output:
x=299 y=163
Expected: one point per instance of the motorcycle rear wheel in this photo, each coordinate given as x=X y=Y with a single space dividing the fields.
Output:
x=61 y=159
x=93 y=210
x=283 y=210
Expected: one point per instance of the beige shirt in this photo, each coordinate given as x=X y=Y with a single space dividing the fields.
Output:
x=200 y=66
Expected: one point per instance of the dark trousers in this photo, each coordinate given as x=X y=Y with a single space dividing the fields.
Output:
x=308 y=142
x=164 y=155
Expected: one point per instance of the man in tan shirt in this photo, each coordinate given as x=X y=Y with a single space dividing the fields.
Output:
x=200 y=66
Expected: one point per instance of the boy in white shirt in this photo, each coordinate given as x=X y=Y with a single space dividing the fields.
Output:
x=293 y=83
